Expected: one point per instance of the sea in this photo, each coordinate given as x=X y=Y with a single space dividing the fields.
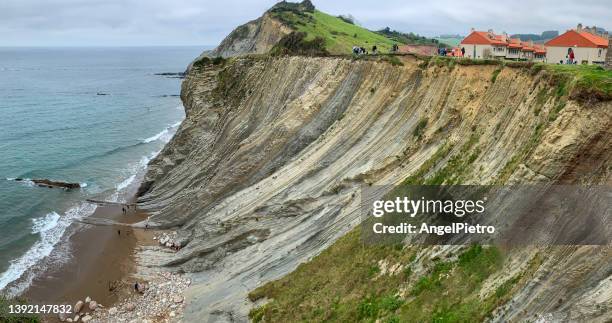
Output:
x=94 y=116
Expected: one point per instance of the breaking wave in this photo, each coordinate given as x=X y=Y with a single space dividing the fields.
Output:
x=165 y=135
x=51 y=228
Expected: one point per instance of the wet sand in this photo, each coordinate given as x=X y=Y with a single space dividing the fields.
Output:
x=101 y=263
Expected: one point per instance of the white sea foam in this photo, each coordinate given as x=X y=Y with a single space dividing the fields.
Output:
x=25 y=181
x=155 y=137
x=123 y=185
x=50 y=228
x=164 y=135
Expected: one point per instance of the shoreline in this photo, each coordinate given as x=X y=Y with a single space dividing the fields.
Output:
x=96 y=258
x=101 y=266
x=101 y=262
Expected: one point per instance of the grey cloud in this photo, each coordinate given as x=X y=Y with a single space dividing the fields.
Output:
x=205 y=22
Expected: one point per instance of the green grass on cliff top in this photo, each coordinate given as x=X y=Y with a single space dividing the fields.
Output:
x=340 y=36
x=589 y=78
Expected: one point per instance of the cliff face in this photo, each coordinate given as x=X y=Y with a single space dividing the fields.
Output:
x=265 y=171
x=255 y=37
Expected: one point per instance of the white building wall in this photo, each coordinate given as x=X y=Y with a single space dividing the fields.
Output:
x=513 y=55
x=555 y=54
x=476 y=51
x=500 y=51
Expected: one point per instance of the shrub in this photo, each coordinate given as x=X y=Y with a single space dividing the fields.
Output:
x=6 y=317
x=205 y=61
x=349 y=19
x=420 y=128
x=295 y=43
x=495 y=74
x=392 y=60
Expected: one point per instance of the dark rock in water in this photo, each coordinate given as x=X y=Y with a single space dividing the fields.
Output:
x=102 y=93
x=179 y=74
x=51 y=184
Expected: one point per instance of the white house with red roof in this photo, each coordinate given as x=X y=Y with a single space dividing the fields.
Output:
x=588 y=46
x=487 y=44
x=484 y=44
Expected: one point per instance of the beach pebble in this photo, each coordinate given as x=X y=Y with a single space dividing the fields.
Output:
x=86 y=318
x=93 y=305
x=62 y=317
x=87 y=299
x=178 y=299
x=69 y=319
x=129 y=307
x=76 y=318
x=112 y=311
x=172 y=314
x=78 y=307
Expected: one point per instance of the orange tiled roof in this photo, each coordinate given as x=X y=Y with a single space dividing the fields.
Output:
x=573 y=38
x=539 y=49
x=526 y=47
x=514 y=43
x=484 y=38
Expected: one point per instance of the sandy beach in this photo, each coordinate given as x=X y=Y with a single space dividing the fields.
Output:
x=101 y=263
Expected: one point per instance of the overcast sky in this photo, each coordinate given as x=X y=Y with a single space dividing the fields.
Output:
x=206 y=22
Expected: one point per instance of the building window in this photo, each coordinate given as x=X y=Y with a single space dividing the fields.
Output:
x=599 y=53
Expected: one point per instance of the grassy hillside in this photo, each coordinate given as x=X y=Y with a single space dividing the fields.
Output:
x=450 y=41
x=339 y=35
x=377 y=283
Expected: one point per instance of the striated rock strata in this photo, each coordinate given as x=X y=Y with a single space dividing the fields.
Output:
x=265 y=171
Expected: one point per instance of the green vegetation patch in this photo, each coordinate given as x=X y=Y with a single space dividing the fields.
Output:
x=420 y=128
x=457 y=166
x=411 y=38
x=345 y=284
x=495 y=74
x=7 y=317
x=342 y=284
x=583 y=83
x=206 y=61
x=296 y=43
x=339 y=35
x=418 y=177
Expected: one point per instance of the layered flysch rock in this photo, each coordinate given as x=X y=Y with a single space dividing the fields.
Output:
x=265 y=171
x=260 y=35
